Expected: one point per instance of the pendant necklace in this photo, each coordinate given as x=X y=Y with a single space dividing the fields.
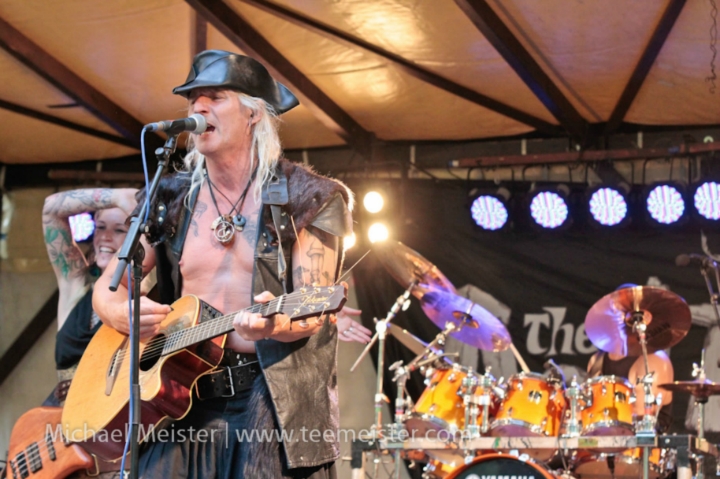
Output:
x=224 y=226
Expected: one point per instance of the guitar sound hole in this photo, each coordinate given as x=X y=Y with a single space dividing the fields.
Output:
x=151 y=353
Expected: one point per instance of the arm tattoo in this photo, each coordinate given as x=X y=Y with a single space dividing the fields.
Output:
x=64 y=255
x=200 y=208
x=298 y=275
x=316 y=253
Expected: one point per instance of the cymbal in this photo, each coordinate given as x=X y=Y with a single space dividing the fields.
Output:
x=410 y=341
x=699 y=389
x=609 y=323
x=475 y=325
x=407 y=266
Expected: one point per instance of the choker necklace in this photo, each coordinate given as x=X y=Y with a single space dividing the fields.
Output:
x=224 y=226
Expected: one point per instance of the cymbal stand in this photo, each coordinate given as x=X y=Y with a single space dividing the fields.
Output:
x=700 y=401
x=647 y=425
x=469 y=387
x=402 y=302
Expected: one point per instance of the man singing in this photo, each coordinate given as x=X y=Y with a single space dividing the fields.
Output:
x=227 y=229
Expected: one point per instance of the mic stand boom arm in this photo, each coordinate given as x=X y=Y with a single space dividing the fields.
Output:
x=132 y=250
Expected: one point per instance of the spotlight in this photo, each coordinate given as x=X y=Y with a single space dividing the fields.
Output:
x=349 y=241
x=81 y=226
x=549 y=208
x=707 y=200
x=665 y=203
x=378 y=232
x=608 y=205
x=489 y=211
x=373 y=202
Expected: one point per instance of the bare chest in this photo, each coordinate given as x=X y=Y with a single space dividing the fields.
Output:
x=219 y=273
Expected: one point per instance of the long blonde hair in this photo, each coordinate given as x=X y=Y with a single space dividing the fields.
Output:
x=265 y=147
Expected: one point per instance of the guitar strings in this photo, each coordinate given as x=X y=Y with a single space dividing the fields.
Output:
x=157 y=346
x=22 y=457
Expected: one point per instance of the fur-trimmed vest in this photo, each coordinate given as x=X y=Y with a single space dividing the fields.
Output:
x=301 y=376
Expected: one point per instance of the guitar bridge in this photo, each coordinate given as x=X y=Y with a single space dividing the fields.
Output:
x=114 y=367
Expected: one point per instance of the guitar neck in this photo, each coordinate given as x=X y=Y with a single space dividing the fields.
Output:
x=215 y=327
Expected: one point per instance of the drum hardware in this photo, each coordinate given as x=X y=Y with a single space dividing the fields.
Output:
x=402 y=302
x=701 y=389
x=574 y=393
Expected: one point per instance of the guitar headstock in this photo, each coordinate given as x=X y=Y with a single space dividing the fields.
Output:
x=314 y=301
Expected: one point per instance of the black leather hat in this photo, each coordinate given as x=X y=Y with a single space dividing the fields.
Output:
x=221 y=69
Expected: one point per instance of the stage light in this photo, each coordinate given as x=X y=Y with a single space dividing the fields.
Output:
x=490 y=211
x=81 y=226
x=608 y=206
x=349 y=241
x=707 y=200
x=549 y=208
x=373 y=202
x=665 y=203
x=378 y=232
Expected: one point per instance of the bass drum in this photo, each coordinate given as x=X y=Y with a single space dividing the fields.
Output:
x=495 y=466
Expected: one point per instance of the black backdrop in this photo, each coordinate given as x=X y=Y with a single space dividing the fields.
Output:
x=528 y=271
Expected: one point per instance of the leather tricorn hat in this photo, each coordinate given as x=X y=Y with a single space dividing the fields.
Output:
x=221 y=69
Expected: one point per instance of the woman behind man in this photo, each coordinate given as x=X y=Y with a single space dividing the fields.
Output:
x=77 y=322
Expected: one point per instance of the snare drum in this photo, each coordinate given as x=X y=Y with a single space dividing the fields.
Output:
x=533 y=406
x=500 y=465
x=627 y=464
x=609 y=404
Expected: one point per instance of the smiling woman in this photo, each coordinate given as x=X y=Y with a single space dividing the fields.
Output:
x=77 y=322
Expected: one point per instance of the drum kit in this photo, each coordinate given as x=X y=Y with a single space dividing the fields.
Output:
x=468 y=424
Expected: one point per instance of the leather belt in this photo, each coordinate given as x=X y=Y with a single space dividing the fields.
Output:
x=236 y=373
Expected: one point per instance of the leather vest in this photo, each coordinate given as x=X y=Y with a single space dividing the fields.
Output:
x=302 y=375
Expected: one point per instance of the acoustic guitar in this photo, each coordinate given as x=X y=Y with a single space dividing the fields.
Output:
x=189 y=344
x=38 y=449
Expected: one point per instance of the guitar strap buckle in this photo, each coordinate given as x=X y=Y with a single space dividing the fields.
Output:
x=231 y=382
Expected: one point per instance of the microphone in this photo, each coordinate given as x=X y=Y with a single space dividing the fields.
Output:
x=194 y=124
x=686 y=259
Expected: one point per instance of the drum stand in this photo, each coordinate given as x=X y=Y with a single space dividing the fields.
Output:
x=574 y=393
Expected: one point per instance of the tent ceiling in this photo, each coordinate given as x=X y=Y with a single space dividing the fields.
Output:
x=429 y=70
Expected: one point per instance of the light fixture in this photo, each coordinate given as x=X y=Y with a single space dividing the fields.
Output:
x=349 y=241
x=608 y=205
x=665 y=203
x=378 y=232
x=549 y=207
x=82 y=226
x=373 y=202
x=706 y=199
x=490 y=211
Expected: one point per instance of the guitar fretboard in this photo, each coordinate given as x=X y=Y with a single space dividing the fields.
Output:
x=215 y=327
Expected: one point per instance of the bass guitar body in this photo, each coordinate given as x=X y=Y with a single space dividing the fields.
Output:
x=96 y=409
x=38 y=449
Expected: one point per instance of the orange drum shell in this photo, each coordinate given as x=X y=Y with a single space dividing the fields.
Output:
x=540 y=414
x=440 y=407
x=538 y=470
x=610 y=413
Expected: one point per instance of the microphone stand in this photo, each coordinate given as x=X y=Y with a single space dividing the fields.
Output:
x=132 y=251
x=713 y=295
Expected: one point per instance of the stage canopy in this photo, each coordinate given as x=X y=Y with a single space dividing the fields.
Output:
x=79 y=78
